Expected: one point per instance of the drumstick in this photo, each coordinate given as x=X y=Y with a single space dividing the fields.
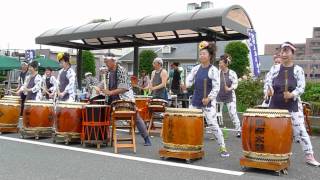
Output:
x=286 y=83
x=205 y=88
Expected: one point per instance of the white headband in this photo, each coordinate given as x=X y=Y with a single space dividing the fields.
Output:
x=288 y=45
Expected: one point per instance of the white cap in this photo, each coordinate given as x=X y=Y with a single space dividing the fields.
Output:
x=87 y=74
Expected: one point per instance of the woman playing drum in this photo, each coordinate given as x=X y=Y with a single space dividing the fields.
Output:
x=205 y=78
x=228 y=85
x=286 y=83
x=32 y=86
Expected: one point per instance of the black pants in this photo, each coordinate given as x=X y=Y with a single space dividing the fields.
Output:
x=23 y=99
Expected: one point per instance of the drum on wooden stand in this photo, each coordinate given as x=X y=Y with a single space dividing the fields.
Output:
x=95 y=124
x=156 y=107
x=68 y=124
x=182 y=134
x=123 y=117
x=142 y=103
x=9 y=116
x=307 y=112
x=266 y=139
x=38 y=119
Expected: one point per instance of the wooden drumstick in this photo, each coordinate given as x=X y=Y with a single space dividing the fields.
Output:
x=205 y=81
x=286 y=83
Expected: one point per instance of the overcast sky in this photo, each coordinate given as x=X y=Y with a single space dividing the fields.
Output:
x=275 y=21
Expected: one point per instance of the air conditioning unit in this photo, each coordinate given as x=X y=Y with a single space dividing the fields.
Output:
x=166 y=49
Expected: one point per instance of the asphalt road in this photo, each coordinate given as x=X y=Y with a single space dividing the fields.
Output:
x=25 y=160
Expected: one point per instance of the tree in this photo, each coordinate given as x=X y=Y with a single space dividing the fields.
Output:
x=240 y=57
x=88 y=63
x=146 y=58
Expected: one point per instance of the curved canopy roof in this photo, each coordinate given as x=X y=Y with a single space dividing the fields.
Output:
x=229 y=23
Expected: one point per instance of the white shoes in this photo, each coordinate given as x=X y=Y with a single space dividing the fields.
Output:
x=311 y=160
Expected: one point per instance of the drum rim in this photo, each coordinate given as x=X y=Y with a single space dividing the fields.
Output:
x=96 y=105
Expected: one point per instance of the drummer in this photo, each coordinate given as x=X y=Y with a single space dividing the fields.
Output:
x=32 y=84
x=21 y=80
x=49 y=83
x=159 y=78
x=66 y=78
x=207 y=101
x=291 y=77
x=228 y=85
x=120 y=88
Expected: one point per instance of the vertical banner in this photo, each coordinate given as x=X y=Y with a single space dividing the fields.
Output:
x=254 y=57
x=30 y=55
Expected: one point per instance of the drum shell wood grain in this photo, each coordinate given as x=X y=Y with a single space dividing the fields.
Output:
x=272 y=135
x=182 y=130
x=38 y=114
x=9 y=113
x=69 y=118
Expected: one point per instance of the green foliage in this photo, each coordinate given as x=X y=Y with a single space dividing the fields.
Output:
x=88 y=63
x=249 y=94
x=146 y=58
x=240 y=57
x=312 y=95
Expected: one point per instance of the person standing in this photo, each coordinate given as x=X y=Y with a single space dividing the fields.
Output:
x=66 y=78
x=206 y=81
x=32 y=84
x=286 y=83
x=159 y=78
x=228 y=85
x=50 y=83
x=119 y=87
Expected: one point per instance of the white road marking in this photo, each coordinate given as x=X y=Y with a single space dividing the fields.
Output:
x=153 y=161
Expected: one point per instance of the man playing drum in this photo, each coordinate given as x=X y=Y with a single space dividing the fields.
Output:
x=119 y=88
x=66 y=78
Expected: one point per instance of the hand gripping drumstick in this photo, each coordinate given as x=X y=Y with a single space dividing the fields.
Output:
x=286 y=83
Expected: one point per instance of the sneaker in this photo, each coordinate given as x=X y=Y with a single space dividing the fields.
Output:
x=238 y=134
x=147 y=141
x=311 y=160
x=224 y=152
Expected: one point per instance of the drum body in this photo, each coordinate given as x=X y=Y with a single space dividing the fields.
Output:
x=157 y=105
x=38 y=114
x=96 y=122
x=9 y=115
x=142 y=103
x=183 y=130
x=69 y=117
x=123 y=105
x=267 y=135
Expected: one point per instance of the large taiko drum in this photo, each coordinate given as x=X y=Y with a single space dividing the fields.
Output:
x=38 y=119
x=267 y=135
x=142 y=103
x=182 y=134
x=9 y=116
x=69 y=121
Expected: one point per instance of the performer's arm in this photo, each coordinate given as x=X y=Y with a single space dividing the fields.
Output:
x=191 y=76
x=301 y=83
x=215 y=78
x=37 y=82
x=71 y=75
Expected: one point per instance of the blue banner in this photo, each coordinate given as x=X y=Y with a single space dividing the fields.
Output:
x=30 y=55
x=253 y=48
